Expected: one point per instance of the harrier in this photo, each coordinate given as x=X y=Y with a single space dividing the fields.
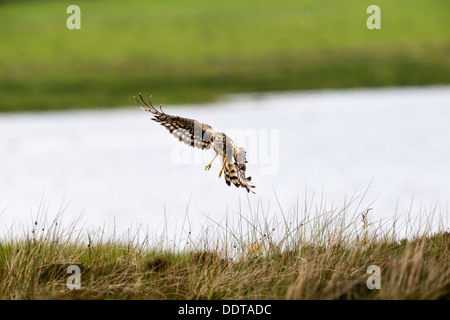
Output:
x=203 y=136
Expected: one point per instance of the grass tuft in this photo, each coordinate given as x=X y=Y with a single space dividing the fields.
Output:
x=306 y=255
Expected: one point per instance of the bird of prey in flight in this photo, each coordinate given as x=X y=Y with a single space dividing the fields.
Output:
x=203 y=136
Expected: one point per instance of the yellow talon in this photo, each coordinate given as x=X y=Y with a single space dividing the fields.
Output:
x=208 y=166
x=223 y=166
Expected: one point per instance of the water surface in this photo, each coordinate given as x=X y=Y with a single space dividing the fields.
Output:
x=118 y=167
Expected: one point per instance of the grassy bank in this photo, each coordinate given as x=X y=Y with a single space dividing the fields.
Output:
x=194 y=51
x=320 y=257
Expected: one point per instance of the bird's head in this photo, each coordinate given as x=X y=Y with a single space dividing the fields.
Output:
x=217 y=141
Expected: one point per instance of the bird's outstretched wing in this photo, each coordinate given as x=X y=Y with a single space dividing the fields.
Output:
x=189 y=131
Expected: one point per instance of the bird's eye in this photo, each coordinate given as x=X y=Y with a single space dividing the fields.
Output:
x=212 y=139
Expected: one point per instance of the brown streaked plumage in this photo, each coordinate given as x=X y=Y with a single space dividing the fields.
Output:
x=203 y=136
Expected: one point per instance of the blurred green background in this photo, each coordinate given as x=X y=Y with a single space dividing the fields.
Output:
x=194 y=51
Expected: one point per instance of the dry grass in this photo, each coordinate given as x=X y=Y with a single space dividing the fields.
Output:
x=303 y=255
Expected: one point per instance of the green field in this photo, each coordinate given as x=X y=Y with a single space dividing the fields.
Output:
x=194 y=51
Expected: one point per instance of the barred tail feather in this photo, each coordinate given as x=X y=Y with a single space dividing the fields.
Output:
x=237 y=178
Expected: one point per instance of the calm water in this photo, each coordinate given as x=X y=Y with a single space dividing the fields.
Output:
x=118 y=167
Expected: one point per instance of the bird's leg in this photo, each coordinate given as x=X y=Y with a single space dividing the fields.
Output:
x=223 y=166
x=208 y=166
